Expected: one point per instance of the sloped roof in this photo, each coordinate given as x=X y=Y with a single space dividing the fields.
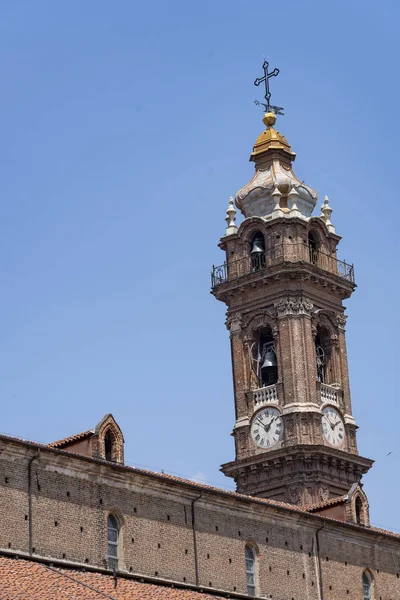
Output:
x=22 y=579
x=326 y=503
x=71 y=439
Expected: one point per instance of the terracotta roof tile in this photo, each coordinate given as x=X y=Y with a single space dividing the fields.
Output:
x=72 y=438
x=23 y=579
x=325 y=503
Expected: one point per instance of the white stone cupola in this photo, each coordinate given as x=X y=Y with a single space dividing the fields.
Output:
x=275 y=191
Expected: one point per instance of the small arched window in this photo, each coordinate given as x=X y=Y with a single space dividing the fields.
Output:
x=250 y=571
x=359 y=510
x=108 y=446
x=257 y=252
x=313 y=247
x=113 y=539
x=367 y=585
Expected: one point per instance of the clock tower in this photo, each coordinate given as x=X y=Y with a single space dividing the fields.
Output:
x=284 y=286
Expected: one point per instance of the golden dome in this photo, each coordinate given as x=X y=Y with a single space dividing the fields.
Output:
x=271 y=140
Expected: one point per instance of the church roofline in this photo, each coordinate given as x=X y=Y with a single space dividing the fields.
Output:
x=198 y=487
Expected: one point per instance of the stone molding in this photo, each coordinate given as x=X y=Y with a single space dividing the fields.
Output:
x=295 y=306
x=341 y=320
x=301 y=407
x=242 y=422
x=234 y=323
x=257 y=321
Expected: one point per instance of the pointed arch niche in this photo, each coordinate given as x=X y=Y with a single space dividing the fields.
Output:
x=357 y=507
x=108 y=441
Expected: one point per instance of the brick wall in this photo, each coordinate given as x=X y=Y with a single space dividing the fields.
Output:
x=72 y=497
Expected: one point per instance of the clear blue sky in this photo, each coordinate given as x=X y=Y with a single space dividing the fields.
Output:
x=125 y=127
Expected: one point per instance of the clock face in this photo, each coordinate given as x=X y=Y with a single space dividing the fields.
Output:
x=332 y=426
x=267 y=427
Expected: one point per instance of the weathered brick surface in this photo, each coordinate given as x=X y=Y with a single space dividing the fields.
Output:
x=157 y=536
x=292 y=298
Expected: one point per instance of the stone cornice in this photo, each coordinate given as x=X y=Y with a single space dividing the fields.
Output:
x=304 y=451
x=290 y=271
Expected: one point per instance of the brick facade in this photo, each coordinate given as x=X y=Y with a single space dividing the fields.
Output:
x=71 y=497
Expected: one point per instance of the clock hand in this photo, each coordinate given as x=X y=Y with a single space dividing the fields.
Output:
x=270 y=423
x=330 y=423
x=262 y=425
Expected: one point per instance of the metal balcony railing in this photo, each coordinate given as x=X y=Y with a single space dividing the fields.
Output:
x=280 y=253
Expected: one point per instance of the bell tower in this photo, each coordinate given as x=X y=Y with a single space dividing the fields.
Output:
x=284 y=286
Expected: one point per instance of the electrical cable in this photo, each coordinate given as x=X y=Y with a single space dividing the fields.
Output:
x=61 y=574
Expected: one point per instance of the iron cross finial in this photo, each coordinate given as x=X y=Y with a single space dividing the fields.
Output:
x=268 y=107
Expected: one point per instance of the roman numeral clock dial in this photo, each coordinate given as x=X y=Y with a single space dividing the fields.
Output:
x=332 y=426
x=267 y=427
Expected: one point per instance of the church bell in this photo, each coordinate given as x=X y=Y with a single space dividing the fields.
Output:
x=258 y=247
x=269 y=361
x=269 y=367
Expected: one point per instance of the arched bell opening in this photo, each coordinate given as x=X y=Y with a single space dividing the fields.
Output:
x=323 y=351
x=313 y=247
x=265 y=365
x=257 y=251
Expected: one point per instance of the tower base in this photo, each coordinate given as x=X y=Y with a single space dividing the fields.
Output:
x=308 y=475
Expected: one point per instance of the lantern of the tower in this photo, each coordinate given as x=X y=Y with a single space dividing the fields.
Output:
x=273 y=159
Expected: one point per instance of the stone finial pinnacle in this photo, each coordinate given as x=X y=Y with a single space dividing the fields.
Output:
x=293 y=197
x=276 y=196
x=231 y=218
x=326 y=214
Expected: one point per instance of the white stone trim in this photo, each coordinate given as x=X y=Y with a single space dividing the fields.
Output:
x=302 y=407
x=349 y=419
x=265 y=395
x=242 y=422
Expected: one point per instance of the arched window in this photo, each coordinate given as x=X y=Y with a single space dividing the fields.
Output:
x=367 y=585
x=265 y=359
x=250 y=571
x=359 y=510
x=113 y=538
x=108 y=446
x=313 y=247
x=257 y=252
x=323 y=355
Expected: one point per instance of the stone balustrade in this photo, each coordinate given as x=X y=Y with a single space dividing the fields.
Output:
x=330 y=393
x=265 y=395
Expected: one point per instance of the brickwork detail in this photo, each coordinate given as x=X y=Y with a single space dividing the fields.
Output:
x=72 y=497
x=294 y=300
